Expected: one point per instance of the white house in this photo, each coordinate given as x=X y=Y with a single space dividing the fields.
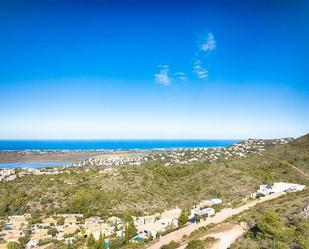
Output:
x=151 y=229
x=278 y=187
x=204 y=212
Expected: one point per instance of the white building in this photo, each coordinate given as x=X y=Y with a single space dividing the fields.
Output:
x=278 y=187
x=216 y=201
x=204 y=212
x=151 y=229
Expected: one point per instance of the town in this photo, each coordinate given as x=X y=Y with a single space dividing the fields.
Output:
x=167 y=157
x=185 y=156
x=42 y=232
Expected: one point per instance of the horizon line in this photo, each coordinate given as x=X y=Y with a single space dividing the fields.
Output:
x=135 y=139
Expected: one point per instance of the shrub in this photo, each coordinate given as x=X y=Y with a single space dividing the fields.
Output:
x=172 y=245
x=196 y=244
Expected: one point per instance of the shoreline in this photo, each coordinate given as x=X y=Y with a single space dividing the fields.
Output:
x=22 y=156
x=110 y=145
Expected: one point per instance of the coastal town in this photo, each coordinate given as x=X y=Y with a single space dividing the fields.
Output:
x=185 y=156
x=52 y=230
x=44 y=231
x=154 y=124
x=167 y=157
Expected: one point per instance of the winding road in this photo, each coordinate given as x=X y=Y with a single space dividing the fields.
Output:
x=216 y=219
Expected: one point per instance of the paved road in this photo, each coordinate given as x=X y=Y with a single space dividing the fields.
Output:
x=217 y=218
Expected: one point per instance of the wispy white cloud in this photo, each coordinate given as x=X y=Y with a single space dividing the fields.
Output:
x=199 y=70
x=205 y=46
x=208 y=44
x=180 y=76
x=163 y=77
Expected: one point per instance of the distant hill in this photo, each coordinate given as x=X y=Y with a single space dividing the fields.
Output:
x=153 y=186
x=281 y=223
x=295 y=152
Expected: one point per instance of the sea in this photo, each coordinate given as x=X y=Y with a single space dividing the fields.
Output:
x=22 y=145
x=111 y=144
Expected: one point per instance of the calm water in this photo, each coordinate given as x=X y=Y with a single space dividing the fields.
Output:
x=98 y=145
x=35 y=165
x=109 y=144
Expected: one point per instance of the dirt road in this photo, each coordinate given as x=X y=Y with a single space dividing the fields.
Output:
x=285 y=162
x=227 y=237
x=217 y=218
x=225 y=233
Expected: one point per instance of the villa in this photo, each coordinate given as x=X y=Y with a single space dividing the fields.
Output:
x=202 y=212
x=278 y=187
x=151 y=230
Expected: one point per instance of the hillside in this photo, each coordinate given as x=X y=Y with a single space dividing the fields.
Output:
x=153 y=186
x=295 y=152
x=281 y=223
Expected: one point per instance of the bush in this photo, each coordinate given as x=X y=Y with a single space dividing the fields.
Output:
x=196 y=244
x=270 y=225
x=13 y=245
x=172 y=245
x=60 y=221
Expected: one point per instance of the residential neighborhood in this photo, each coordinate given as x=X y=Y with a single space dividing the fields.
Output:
x=68 y=228
x=183 y=156
x=167 y=157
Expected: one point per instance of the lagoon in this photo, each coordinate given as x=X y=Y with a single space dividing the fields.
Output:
x=35 y=165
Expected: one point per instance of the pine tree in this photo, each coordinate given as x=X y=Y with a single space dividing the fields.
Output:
x=101 y=240
x=90 y=241
x=183 y=218
x=130 y=231
x=69 y=245
x=115 y=229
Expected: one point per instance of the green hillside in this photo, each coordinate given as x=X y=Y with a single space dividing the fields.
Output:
x=153 y=187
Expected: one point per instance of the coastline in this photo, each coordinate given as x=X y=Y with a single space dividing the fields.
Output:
x=123 y=147
x=73 y=156
x=102 y=145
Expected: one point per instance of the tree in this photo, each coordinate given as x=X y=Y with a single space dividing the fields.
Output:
x=196 y=244
x=13 y=245
x=130 y=231
x=60 y=221
x=150 y=238
x=270 y=225
x=101 y=240
x=1 y=225
x=183 y=218
x=23 y=241
x=117 y=243
x=172 y=245
x=116 y=227
x=52 y=231
x=90 y=241
x=69 y=245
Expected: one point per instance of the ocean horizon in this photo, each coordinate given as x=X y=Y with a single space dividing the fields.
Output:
x=113 y=144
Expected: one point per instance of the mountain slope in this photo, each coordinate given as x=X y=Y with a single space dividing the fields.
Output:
x=153 y=187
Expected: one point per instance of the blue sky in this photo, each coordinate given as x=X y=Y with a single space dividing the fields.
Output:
x=154 y=69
